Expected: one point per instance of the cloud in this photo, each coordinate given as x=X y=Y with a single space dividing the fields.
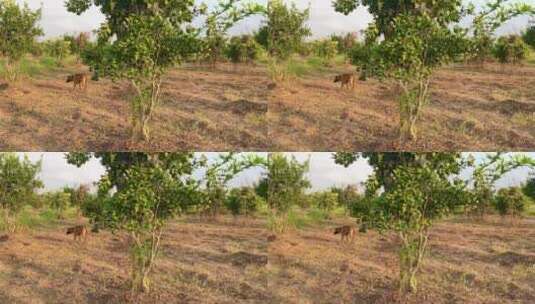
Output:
x=323 y=21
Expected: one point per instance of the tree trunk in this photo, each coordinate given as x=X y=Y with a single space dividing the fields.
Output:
x=410 y=257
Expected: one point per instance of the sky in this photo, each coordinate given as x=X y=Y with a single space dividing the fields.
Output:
x=324 y=20
x=324 y=172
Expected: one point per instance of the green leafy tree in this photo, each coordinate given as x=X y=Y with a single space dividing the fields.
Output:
x=78 y=196
x=58 y=49
x=59 y=201
x=18 y=31
x=408 y=192
x=283 y=186
x=220 y=20
x=284 y=29
x=243 y=49
x=326 y=49
x=139 y=42
x=510 y=202
x=418 y=37
x=349 y=198
x=138 y=194
x=220 y=173
x=511 y=49
x=77 y=43
x=18 y=183
x=345 y=42
x=326 y=200
x=243 y=201
x=486 y=174
x=417 y=189
x=529 y=188
x=529 y=35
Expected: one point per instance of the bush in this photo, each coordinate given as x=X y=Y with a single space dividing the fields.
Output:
x=325 y=201
x=58 y=201
x=529 y=36
x=242 y=201
x=243 y=49
x=345 y=43
x=510 y=201
x=511 y=49
x=326 y=49
x=57 y=48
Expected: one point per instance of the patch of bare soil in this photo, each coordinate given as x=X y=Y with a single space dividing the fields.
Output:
x=467 y=262
x=204 y=109
x=200 y=262
x=485 y=108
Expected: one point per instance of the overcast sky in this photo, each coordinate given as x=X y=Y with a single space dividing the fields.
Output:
x=323 y=19
x=323 y=174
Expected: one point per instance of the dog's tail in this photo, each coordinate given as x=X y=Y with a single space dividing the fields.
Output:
x=71 y=230
x=337 y=230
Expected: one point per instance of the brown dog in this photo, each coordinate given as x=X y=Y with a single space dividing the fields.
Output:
x=347 y=80
x=347 y=232
x=79 y=232
x=79 y=80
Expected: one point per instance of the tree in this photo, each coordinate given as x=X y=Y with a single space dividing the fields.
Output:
x=529 y=188
x=220 y=173
x=77 y=43
x=138 y=194
x=326 y=200
x=325 y=49
x=18 y=183
x=242 y=49
x=220 y=20
x=139 y=42
x=485 y=175
x=78 y=196
x=58 y=48
x=18 y=31
x=242 y=201
x=510 y=201
x=511 y=49
x=409 y=40
x=417 y=189
x=529 y=35
x=58 y=201
x=283 y=185
x=408 y=192
x=284 y=30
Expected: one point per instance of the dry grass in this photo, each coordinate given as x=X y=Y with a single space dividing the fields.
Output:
x=483 y=108
x=201 y=109
x=200 y=262
x=489 y=261
x=486 y=262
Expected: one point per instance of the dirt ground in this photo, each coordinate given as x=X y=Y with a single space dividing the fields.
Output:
x=201 y=109
x=477 y=108
x=477 y=263
x=489 y=261
x=199 y=262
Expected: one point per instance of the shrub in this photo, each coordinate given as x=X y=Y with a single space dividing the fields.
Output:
x=242 y=201
x=18 y=31
x=510 y=201
x=325 y=49
x=58 y=201
x=511 y=49
x=57 y=48
x=326 y=200
x=242 y=49
x=529 y=36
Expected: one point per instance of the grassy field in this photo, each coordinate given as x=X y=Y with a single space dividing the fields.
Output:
x=231 y=261
x=474 y=107
x=204 y=109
